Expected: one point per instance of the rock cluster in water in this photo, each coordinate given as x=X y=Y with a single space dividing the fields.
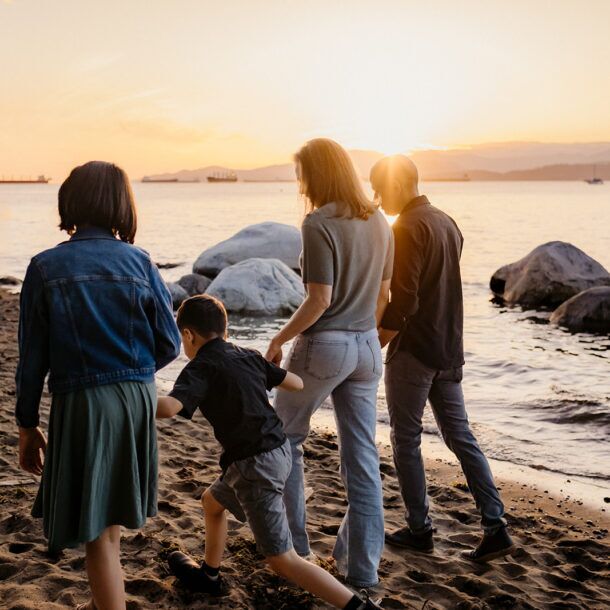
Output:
x=258 y=287
x=264 y=240
x=178 y=293
x=194 y=283
x=558 y=275
x=588 y=311
x=253 y=272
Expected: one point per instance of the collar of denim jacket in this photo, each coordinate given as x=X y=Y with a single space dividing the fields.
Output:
x=92 y=233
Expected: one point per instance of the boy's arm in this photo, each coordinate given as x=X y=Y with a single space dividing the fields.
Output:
x=167 y=407
x=278 y=377
x=292 y=383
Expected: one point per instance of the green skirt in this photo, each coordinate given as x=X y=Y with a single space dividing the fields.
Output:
x=100 y=464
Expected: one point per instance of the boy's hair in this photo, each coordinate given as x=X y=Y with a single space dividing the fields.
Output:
x=98 y=194
x=204 y=314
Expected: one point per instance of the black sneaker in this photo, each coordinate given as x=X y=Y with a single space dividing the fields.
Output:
x=192 y=576
x=492 y=546
x=406 y=539
x=367 y=602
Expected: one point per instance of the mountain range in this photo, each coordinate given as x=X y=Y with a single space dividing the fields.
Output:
x=495 y=161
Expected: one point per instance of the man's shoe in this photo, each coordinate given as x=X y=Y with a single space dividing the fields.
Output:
x=192 y=576
x=492 y=546
x=406 y=539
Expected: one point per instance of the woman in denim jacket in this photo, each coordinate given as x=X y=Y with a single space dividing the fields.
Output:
x=96 y=316
x=346 y=267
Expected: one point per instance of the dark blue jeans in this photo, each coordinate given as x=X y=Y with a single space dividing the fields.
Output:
x=409 y=384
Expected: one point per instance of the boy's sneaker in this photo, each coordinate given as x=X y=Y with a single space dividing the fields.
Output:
x=192 y=575
x=492 y=546
x=406 y=539
x=369 y=604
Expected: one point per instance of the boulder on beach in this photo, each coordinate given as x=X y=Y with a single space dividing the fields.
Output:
x=9 y=280
x=194 y=283
x=178 y=293
x=549 y=275
x=264 y=240
x=588 y=311
x=258 y=287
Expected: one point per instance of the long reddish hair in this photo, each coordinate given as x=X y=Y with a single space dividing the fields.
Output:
x=327 y=175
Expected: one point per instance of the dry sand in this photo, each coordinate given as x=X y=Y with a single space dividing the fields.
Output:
x=561 y=563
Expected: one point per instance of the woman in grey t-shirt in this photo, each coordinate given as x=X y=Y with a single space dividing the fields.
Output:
x=346 y=266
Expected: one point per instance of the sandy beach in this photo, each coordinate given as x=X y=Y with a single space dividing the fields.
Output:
x=561 y=562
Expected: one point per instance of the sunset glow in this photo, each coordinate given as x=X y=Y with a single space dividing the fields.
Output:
x=160 y=86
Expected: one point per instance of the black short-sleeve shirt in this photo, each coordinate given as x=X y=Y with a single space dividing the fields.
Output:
x=229 y=385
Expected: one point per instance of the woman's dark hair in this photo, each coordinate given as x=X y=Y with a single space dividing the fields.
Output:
x=98 y=194
x=204 y=314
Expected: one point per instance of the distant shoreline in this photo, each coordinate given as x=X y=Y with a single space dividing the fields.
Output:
x=424 y=179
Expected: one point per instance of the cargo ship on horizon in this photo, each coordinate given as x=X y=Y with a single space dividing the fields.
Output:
x=149 y=179
x=222 y=177
x=42 y=179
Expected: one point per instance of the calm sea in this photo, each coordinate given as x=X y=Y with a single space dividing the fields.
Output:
x=536 y=395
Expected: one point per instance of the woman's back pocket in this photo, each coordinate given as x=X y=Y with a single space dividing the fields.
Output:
x=325 y=358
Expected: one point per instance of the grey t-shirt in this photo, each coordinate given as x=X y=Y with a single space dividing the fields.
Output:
x=351 y=255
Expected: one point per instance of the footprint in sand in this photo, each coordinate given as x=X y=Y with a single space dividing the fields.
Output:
x=168 y=508
x=20 y=547
x=464 y=517
x=7 y=570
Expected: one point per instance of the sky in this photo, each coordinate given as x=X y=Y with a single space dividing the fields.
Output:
x=165 y=85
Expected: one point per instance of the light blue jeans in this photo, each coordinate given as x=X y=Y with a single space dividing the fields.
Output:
x=346 y=366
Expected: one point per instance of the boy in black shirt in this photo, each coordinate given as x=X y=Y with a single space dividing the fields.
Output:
x=229 y=385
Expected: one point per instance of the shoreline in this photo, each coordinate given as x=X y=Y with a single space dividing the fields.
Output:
x=590 y=492
x=561 y=561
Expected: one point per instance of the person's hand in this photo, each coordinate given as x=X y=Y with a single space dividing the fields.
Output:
x=32 y=446
x=274 y=352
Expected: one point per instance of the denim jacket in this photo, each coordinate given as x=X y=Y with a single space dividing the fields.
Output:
x=93 y=311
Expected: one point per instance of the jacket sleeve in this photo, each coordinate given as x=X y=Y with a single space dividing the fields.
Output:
x=33 y=336
x=167 y=337
x=409 y=252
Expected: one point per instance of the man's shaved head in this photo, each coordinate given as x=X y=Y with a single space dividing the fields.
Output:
x=395 y=181
x=395 y=167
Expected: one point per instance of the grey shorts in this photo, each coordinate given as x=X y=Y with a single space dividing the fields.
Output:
x=253 y=491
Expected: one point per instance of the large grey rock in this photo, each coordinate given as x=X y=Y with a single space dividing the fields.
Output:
x=588 y=311
x=178 y=293
x=258 y=287
x=548 y=275
x=194 y=283
x=264 y=240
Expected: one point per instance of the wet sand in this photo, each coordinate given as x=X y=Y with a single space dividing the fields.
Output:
x=562 y=561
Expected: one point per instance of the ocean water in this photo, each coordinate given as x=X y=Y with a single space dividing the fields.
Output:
x=536 y=395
